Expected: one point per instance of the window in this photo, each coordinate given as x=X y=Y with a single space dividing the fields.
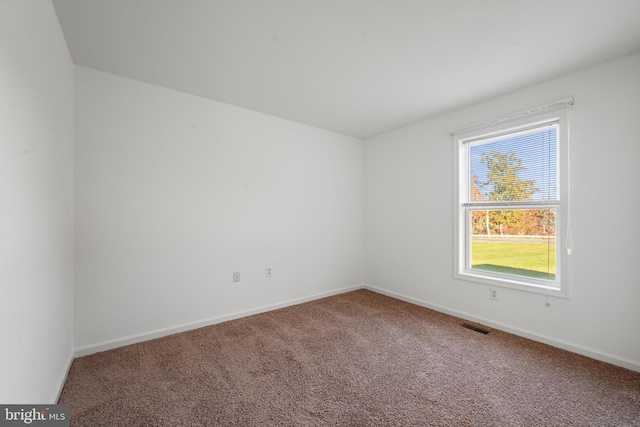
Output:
x=510 y=204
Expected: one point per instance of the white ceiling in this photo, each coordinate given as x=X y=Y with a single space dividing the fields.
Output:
x=357 y=67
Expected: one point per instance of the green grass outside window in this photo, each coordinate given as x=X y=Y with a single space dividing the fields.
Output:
x=529 y=259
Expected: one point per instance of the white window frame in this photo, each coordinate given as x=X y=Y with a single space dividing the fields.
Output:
x=462 y=236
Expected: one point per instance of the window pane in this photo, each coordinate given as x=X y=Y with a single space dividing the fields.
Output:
x=519 y=242
x=516 y=167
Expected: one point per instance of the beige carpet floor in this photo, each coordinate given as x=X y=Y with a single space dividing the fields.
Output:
x=356 y=359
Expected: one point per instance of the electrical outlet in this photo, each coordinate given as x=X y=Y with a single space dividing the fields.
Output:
x=236 y=276
x=493 y=294
x=268 y=272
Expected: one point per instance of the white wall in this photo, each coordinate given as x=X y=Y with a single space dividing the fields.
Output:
x=175 y=192
x=36 y=203
x=409 y=217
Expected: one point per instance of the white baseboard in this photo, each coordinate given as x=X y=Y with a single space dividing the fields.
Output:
x=137 y=338
x=63 y=378
x=565 y=345
x=158 y=333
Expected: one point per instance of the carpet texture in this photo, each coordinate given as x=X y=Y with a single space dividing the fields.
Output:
x=356 y=359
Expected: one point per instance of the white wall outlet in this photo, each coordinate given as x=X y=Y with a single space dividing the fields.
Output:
x=493 y=294
x=236 y=276
x=268 y=272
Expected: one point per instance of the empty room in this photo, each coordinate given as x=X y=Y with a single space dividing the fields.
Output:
x=319 y=212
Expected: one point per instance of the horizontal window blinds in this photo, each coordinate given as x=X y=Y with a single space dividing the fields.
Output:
x=516 y=169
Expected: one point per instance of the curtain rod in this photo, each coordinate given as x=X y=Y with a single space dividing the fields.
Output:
x=568 y=100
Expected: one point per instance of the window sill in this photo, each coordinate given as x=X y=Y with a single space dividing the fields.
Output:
x=512 y=283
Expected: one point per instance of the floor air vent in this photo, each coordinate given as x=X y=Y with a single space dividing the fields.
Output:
x=475 y=328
